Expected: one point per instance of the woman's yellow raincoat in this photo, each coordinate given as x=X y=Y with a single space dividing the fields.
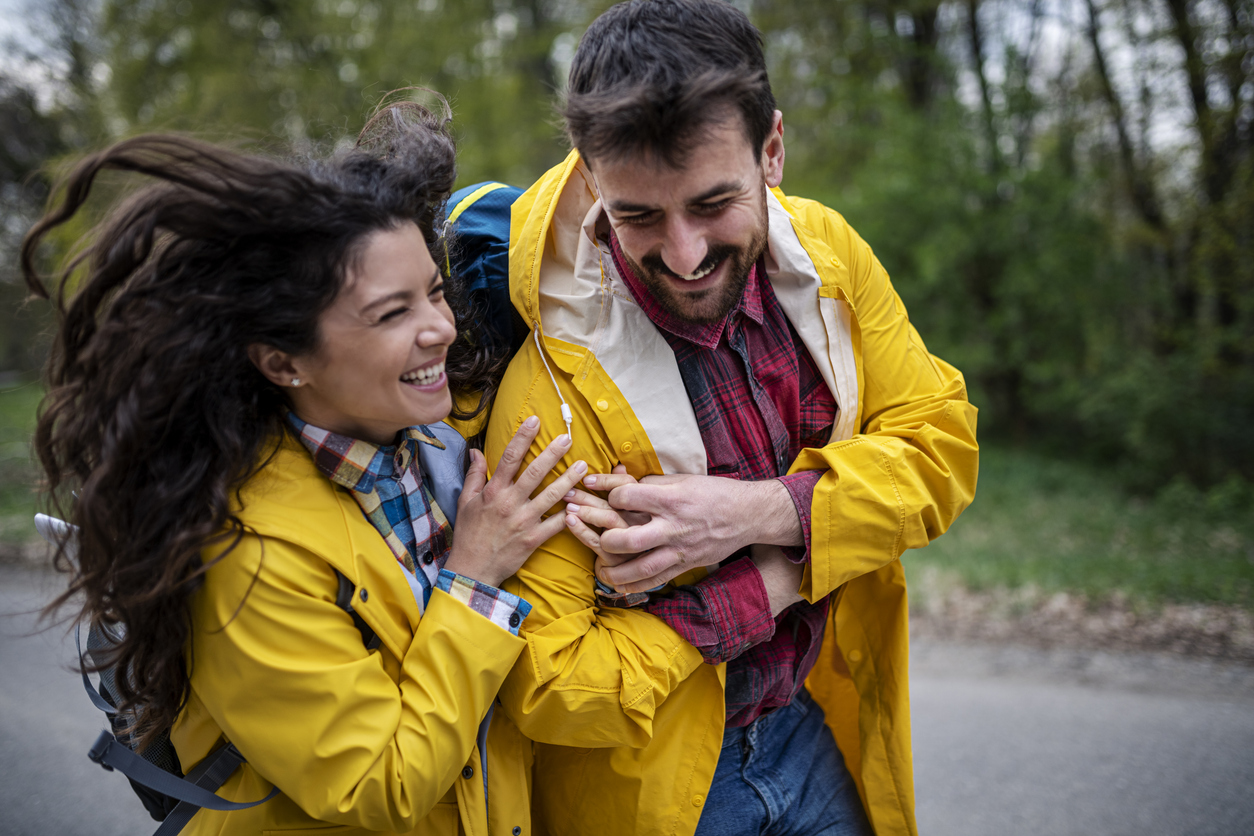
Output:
x=357 y=741
x=629 y=718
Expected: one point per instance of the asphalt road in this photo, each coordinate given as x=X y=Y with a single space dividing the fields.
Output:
x=1007 y=740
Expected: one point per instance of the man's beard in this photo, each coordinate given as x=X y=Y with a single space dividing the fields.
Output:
x=710 y=305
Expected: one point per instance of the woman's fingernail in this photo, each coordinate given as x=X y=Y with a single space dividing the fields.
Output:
x=572 y=509
x=589 y=480
x=563 y=439
x=580 y=466
x=532 y=422
x=569 y=494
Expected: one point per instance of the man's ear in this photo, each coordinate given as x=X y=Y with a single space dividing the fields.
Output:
x=277 y=366
x=773 y=152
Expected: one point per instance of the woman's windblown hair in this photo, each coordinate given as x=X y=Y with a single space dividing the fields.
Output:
x=154 y=415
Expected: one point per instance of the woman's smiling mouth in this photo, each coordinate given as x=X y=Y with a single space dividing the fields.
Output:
x=430 y=376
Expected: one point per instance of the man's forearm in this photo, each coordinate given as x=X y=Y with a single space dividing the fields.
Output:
x=773 y=517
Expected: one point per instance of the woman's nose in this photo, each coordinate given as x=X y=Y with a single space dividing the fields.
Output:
x=437 y=329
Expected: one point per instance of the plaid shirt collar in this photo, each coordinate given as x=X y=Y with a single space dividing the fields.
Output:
x=708 y=334
x=357 y=464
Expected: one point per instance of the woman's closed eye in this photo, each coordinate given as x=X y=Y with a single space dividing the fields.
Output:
x=394 y=313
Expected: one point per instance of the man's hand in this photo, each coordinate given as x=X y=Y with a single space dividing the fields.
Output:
x=693 y=521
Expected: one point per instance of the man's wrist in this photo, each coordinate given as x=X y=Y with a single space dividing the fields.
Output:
x=771 y=514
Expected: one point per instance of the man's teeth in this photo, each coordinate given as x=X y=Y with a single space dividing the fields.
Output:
x=700 y=274
x=428 y=374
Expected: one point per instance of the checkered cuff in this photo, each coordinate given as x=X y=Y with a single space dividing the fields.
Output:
x=800 y=487
x=502 y=608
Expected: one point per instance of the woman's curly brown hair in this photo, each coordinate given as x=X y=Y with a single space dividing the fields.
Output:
x=154 y=415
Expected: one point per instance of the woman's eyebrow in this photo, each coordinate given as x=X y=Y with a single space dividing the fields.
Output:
x=398 y=296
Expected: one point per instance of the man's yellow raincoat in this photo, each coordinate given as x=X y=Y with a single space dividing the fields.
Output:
x=358 y=741
x=629 y=719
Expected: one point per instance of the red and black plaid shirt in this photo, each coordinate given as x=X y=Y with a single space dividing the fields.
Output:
x=758 y=399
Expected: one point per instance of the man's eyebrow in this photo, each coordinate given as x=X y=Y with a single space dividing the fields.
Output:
x=720 y=189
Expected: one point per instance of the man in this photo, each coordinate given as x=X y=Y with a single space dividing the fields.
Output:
x=691 y=320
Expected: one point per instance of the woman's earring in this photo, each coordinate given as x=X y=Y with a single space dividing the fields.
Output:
x=296 y=381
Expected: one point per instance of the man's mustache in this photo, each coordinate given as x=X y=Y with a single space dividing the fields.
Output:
x=653 y=261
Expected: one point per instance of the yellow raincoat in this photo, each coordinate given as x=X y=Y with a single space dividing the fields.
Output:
x=357 y=741
x=629 y=719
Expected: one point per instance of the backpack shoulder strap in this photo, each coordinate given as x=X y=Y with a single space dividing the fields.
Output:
x=209 y=774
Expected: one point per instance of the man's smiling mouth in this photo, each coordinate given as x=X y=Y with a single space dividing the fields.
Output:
x=699 y=274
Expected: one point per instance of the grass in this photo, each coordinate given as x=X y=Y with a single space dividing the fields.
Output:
x=18 y=473
x=1039 y=523
x=1059 y=526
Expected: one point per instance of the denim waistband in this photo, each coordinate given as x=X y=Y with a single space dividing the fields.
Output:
x=733 y=735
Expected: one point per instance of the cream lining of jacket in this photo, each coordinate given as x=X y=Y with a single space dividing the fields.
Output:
x=577 y=309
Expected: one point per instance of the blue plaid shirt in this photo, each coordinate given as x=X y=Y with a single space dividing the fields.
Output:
x=388 y=486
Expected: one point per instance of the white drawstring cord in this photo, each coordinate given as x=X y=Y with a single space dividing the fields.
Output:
x=565 y=408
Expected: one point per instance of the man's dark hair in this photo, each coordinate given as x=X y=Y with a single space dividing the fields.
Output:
x=651 y=75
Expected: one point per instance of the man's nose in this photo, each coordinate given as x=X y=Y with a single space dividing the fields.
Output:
x=684 y=246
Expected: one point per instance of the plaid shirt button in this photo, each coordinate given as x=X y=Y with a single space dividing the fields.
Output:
x=514 y=619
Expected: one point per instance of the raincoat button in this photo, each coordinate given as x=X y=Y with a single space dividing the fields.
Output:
x=364 y=594
x=517 y=831
x=855 y=656
x=603 y=404
x=468 y=771
x=626 y=448
x=698 y=800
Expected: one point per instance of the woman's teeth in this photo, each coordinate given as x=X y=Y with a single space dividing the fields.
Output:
x=425 y=375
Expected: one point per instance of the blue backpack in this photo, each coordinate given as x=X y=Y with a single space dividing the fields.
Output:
x=477 y=250
x=476 y=230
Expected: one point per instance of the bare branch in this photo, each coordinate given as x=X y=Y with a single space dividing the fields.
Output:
x=1144 y=197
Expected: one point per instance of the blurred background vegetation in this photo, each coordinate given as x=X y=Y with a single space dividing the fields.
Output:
x=1063 y=191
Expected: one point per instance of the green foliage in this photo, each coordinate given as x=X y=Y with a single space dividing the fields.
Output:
x=1062 y=526
x=1097 y=294
x=1096 y=289
x=17 y=470
x=310 y=72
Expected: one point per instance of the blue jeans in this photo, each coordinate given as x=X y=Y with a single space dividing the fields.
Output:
x=783 y=775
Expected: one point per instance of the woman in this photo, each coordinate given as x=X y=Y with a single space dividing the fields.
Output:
x=250 y=361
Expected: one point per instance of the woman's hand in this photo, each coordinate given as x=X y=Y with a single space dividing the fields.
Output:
x=586 y=513
x=499 y=525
